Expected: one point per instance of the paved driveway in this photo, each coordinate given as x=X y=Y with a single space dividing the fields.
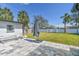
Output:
x=26 y=47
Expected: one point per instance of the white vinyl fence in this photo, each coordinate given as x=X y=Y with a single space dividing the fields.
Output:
x=59 y=30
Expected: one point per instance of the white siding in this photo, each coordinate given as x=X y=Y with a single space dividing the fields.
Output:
x=17 y=28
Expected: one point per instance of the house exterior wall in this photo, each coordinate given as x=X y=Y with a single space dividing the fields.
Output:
x=17 y=28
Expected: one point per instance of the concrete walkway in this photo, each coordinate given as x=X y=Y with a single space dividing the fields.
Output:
x=28 y=47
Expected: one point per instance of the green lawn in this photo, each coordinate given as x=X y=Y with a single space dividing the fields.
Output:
x=64 y=38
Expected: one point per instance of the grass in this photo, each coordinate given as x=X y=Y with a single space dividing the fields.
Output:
x=64 y=38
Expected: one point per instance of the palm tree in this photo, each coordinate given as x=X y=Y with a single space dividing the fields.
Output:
x=75 y=12
x=24 y=19
x=66 y=19
x=6 y=14
x=1 y=14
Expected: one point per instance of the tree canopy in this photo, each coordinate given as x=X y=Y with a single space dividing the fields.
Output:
x=23 y=18
x=6 y=14
x=43 y=23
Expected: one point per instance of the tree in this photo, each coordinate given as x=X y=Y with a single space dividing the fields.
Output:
x=1 y=18
x=75 y=12
x=6 y=14
x=66 y=19
x=24 y=19
x=43 y=23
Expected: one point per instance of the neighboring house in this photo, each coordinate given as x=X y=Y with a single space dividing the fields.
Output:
x=8 y=28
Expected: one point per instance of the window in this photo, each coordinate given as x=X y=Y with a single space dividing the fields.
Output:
x=10 y=28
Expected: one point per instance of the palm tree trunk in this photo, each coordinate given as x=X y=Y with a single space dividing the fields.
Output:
x=64 y=27
x=23 y=29
x=77 y=22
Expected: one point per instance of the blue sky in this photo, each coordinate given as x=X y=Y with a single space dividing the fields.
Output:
x=51 y=12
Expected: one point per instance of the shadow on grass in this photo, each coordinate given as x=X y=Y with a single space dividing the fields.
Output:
x=34 y=41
